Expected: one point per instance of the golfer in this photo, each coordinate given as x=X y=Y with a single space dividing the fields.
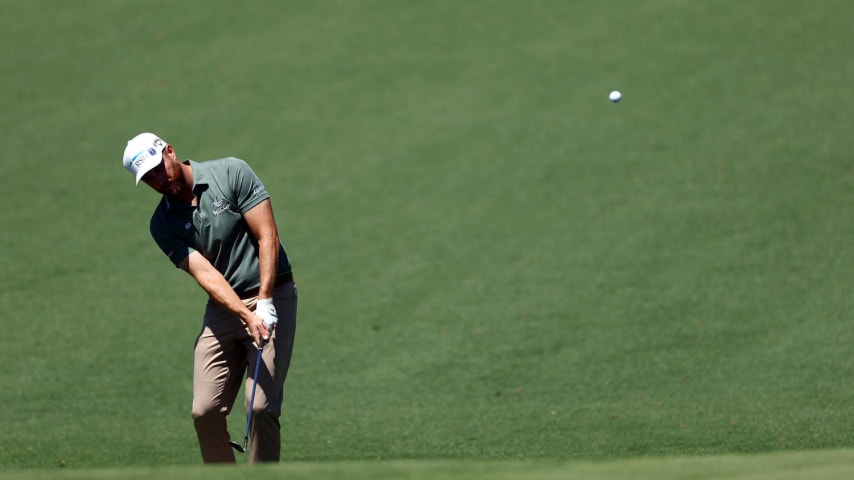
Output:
x=216 y=223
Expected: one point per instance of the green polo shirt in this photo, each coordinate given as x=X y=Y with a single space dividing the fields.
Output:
x=225 y=189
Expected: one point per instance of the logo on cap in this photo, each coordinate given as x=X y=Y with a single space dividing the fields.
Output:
x=152 y=151
x=138 y=159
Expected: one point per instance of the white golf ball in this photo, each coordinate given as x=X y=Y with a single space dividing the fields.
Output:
x=615 y=96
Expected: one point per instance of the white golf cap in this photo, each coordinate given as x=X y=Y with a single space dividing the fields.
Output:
x=142 y=153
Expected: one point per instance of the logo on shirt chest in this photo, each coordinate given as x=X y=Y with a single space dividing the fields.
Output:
x=219 y=205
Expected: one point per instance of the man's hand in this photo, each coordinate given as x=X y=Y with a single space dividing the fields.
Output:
x=267 y=311
x=257 y=329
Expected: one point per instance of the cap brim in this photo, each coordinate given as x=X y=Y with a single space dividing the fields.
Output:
x=146 y=167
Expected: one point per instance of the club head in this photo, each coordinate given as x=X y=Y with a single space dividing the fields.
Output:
x=237 y=446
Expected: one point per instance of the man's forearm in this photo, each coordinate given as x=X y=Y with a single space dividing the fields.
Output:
x=215 y=285
x=221 y=292
x=268 y=260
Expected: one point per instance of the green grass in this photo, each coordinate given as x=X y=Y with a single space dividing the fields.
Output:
x=824 y=465
x=500 y=271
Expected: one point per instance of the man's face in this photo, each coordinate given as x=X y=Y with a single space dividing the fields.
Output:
x=167 y=178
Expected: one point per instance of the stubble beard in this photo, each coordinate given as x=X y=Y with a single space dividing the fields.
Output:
x=176 y=187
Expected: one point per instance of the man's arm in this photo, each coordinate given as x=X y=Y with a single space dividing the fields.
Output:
x=212 y=281
x=263 y=227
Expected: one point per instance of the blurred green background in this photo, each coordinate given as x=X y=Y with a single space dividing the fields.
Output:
x=494 y=261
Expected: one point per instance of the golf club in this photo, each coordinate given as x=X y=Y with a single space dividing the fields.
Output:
x=235 y=445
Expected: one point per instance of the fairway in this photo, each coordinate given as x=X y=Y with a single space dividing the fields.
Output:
x=825 y=465
x=502 y=274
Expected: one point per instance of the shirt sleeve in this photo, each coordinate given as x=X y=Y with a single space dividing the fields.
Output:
x=175 y=247
x=248 y=189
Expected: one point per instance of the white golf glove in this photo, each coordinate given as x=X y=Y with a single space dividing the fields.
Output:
x=267 y=312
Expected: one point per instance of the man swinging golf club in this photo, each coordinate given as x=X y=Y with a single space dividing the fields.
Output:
x=215 y=222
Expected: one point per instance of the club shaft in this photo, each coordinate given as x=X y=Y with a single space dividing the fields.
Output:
x=252 y=397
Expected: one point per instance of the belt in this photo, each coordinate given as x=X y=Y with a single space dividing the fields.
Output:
x=280 y=280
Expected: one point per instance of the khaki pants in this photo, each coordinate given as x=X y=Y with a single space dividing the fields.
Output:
x=224 y=353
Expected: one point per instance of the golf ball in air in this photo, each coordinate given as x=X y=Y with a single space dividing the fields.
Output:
x=615 y=96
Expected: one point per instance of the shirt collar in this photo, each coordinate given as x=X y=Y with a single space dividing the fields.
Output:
x=200 y=173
